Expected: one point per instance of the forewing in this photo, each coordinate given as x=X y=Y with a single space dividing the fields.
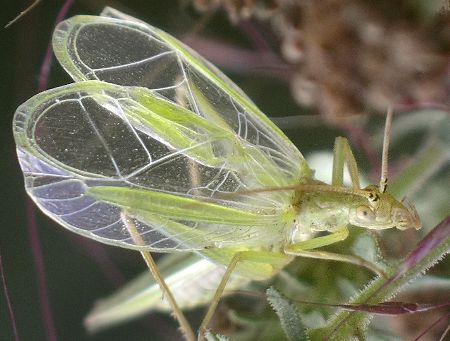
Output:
x=129 y=52
x=166 y=150
x=94 y=152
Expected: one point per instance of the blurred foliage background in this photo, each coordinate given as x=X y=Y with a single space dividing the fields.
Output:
x=276 y=54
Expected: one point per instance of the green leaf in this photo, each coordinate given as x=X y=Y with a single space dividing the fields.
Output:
x=215 y=337
x=289 y=316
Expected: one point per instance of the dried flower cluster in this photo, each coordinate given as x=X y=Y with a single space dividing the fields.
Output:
x=352 y=56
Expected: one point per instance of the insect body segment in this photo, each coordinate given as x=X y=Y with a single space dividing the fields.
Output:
x=327 y=211
x=383 y=211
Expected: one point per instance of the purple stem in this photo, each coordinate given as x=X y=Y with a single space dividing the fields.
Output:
x=255 y=35
x=36 y=249
x=435 y=237
x=240 y=60
x=431 y=240
x=48 y=59
x=98 y=253
x=407 y=107
x=12 y=317
x=446 y=316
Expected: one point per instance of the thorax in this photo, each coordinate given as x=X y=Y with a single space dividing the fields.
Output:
x=319 y=211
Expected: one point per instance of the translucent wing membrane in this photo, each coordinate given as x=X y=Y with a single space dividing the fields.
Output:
x=133 y=53
x=168 y=141
x=91 y=150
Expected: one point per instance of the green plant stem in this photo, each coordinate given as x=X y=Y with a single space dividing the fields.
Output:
x=430 y=250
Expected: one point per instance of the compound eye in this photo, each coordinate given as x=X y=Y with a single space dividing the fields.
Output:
x=364 y=213
x=373 y=198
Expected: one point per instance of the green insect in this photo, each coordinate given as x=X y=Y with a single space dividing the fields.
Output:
x=154 y=149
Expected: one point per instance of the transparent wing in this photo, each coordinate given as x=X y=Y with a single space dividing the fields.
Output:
x=192 y=280
x=91 y=150
x=122 y=50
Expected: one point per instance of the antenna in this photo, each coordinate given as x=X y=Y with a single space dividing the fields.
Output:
x=385 y=156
